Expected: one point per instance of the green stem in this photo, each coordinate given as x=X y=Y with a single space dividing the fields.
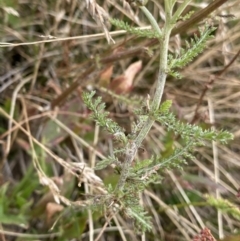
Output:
x=133 y=146
x=179 y=11
x=161 y=79
x=160 y=83
x=168 y=5
x=130 y=153
x=151 y=20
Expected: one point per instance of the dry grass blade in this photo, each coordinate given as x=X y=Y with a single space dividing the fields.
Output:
x=100 y=15
x=53 y=51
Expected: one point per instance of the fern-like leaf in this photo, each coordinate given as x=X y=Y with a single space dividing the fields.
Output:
x=194 y=48
x=146 y=33
x=100 y=116
x=191 y=132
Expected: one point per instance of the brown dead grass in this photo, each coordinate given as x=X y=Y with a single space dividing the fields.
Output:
x=56 y=46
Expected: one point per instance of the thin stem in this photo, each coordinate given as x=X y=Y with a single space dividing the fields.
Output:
x=173 y=2
x=131 y=152
x=167 y=4
x=151 y=20
x=160 y=83
x=161 y=80
x=198 y=16
x=180 y=10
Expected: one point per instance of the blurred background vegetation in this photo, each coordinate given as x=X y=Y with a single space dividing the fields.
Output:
x=50 y=52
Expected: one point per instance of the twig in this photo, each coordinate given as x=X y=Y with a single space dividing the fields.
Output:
x=103 y=228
